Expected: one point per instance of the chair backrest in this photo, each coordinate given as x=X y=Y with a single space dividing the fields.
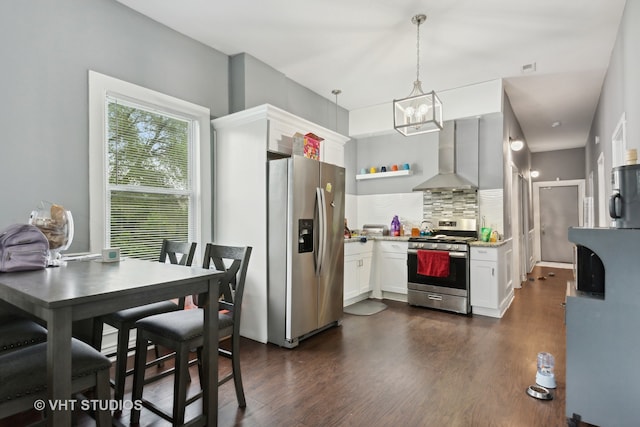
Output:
x=180 y=253
x=173 y=250
x=232 y=284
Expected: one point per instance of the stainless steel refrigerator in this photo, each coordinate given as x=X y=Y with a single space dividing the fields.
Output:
x=306 y=248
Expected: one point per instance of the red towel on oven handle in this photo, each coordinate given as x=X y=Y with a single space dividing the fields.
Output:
x=433 y=263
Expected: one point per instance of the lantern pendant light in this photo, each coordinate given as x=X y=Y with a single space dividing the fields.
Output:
x=419 y=112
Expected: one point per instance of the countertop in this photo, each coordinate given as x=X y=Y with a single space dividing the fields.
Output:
x=476 y=243
x=392 y=238
x=480 y=243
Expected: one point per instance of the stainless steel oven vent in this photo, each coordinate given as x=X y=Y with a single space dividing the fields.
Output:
x=447 y=178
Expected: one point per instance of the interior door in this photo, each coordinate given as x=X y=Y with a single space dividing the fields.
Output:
x=558 y=212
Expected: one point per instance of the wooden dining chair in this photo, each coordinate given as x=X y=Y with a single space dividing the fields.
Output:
x=182 y=331
x=23 y=378
x=179 y=253
x=17 y=332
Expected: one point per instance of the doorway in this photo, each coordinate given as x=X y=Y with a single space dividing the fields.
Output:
x=519 y=227
x=557 y=206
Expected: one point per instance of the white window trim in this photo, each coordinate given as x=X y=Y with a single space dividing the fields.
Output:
x=100 y=86
x=619 y=142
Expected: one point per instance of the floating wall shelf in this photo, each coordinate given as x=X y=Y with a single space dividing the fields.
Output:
x=403 y=172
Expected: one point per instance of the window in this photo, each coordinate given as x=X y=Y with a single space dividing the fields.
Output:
x=149 y=160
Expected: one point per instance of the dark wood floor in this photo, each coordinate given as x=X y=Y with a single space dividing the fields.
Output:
x=405 y=366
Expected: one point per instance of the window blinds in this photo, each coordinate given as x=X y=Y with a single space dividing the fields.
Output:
x=149 y=178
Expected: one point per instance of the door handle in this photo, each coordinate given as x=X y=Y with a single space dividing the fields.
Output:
x=542 y=228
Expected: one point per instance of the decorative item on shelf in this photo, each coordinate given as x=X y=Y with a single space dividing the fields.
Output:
x=307 y=145
x=419 y=112
x=384 y=172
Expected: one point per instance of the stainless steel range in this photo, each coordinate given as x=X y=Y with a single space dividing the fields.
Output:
x=438 y=266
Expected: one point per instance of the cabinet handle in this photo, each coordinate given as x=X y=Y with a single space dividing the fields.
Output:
x=493 y=271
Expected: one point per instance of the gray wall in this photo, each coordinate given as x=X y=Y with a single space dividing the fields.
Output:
x=559 y=164
x=47 y=49
x=351 y=167
x=255 y=83
x=420 y=151
x=475 y=137
x=619 y=95
x=490 y=152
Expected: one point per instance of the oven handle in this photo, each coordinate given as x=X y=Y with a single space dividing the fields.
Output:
x=451 y=254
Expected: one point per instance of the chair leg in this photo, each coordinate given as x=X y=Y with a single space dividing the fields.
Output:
x=180 y=384
x=199 y=362
x=235 y=364
x=121 y=362
x=103 y=394
x=156 y=349
x=138 y=377
x=96 y=338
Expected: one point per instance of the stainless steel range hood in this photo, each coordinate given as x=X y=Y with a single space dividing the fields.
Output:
x=446 y=177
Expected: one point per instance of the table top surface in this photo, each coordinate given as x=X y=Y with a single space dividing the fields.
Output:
x=93 y=280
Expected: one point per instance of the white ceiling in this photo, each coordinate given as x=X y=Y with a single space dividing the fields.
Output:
x=367 y=49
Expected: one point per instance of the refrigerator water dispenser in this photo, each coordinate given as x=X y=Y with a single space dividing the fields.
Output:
x=305 y=235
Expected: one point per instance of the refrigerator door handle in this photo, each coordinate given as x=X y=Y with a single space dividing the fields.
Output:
x=322 y=229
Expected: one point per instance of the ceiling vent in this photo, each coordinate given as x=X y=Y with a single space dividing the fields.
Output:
x=528 y=68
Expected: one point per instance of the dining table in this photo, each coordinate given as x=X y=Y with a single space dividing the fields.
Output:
x=85 y=289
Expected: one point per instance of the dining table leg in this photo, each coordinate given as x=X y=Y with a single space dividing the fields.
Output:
x=210 y=355
x=59 y=367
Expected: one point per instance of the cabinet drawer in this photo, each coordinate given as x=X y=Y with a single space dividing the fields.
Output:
x=484 y=254
x=353 y=248
x=393 y=247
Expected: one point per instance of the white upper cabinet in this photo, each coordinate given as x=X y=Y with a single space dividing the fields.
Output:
x=283 y=125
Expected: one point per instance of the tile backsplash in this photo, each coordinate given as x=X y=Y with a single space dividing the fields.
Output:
x=450 y=204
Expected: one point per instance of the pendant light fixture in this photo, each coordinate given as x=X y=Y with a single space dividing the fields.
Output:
x=336 y=92
x=419 y=112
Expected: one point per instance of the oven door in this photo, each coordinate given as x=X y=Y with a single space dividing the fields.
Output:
x=457 y=281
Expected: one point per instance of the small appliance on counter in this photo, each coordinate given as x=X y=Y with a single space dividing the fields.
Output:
x=624 y=204
x=375 y=230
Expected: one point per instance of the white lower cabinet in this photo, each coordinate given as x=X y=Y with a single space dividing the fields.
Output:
x=391 y=266
x=357 y=271
x=491 y=290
